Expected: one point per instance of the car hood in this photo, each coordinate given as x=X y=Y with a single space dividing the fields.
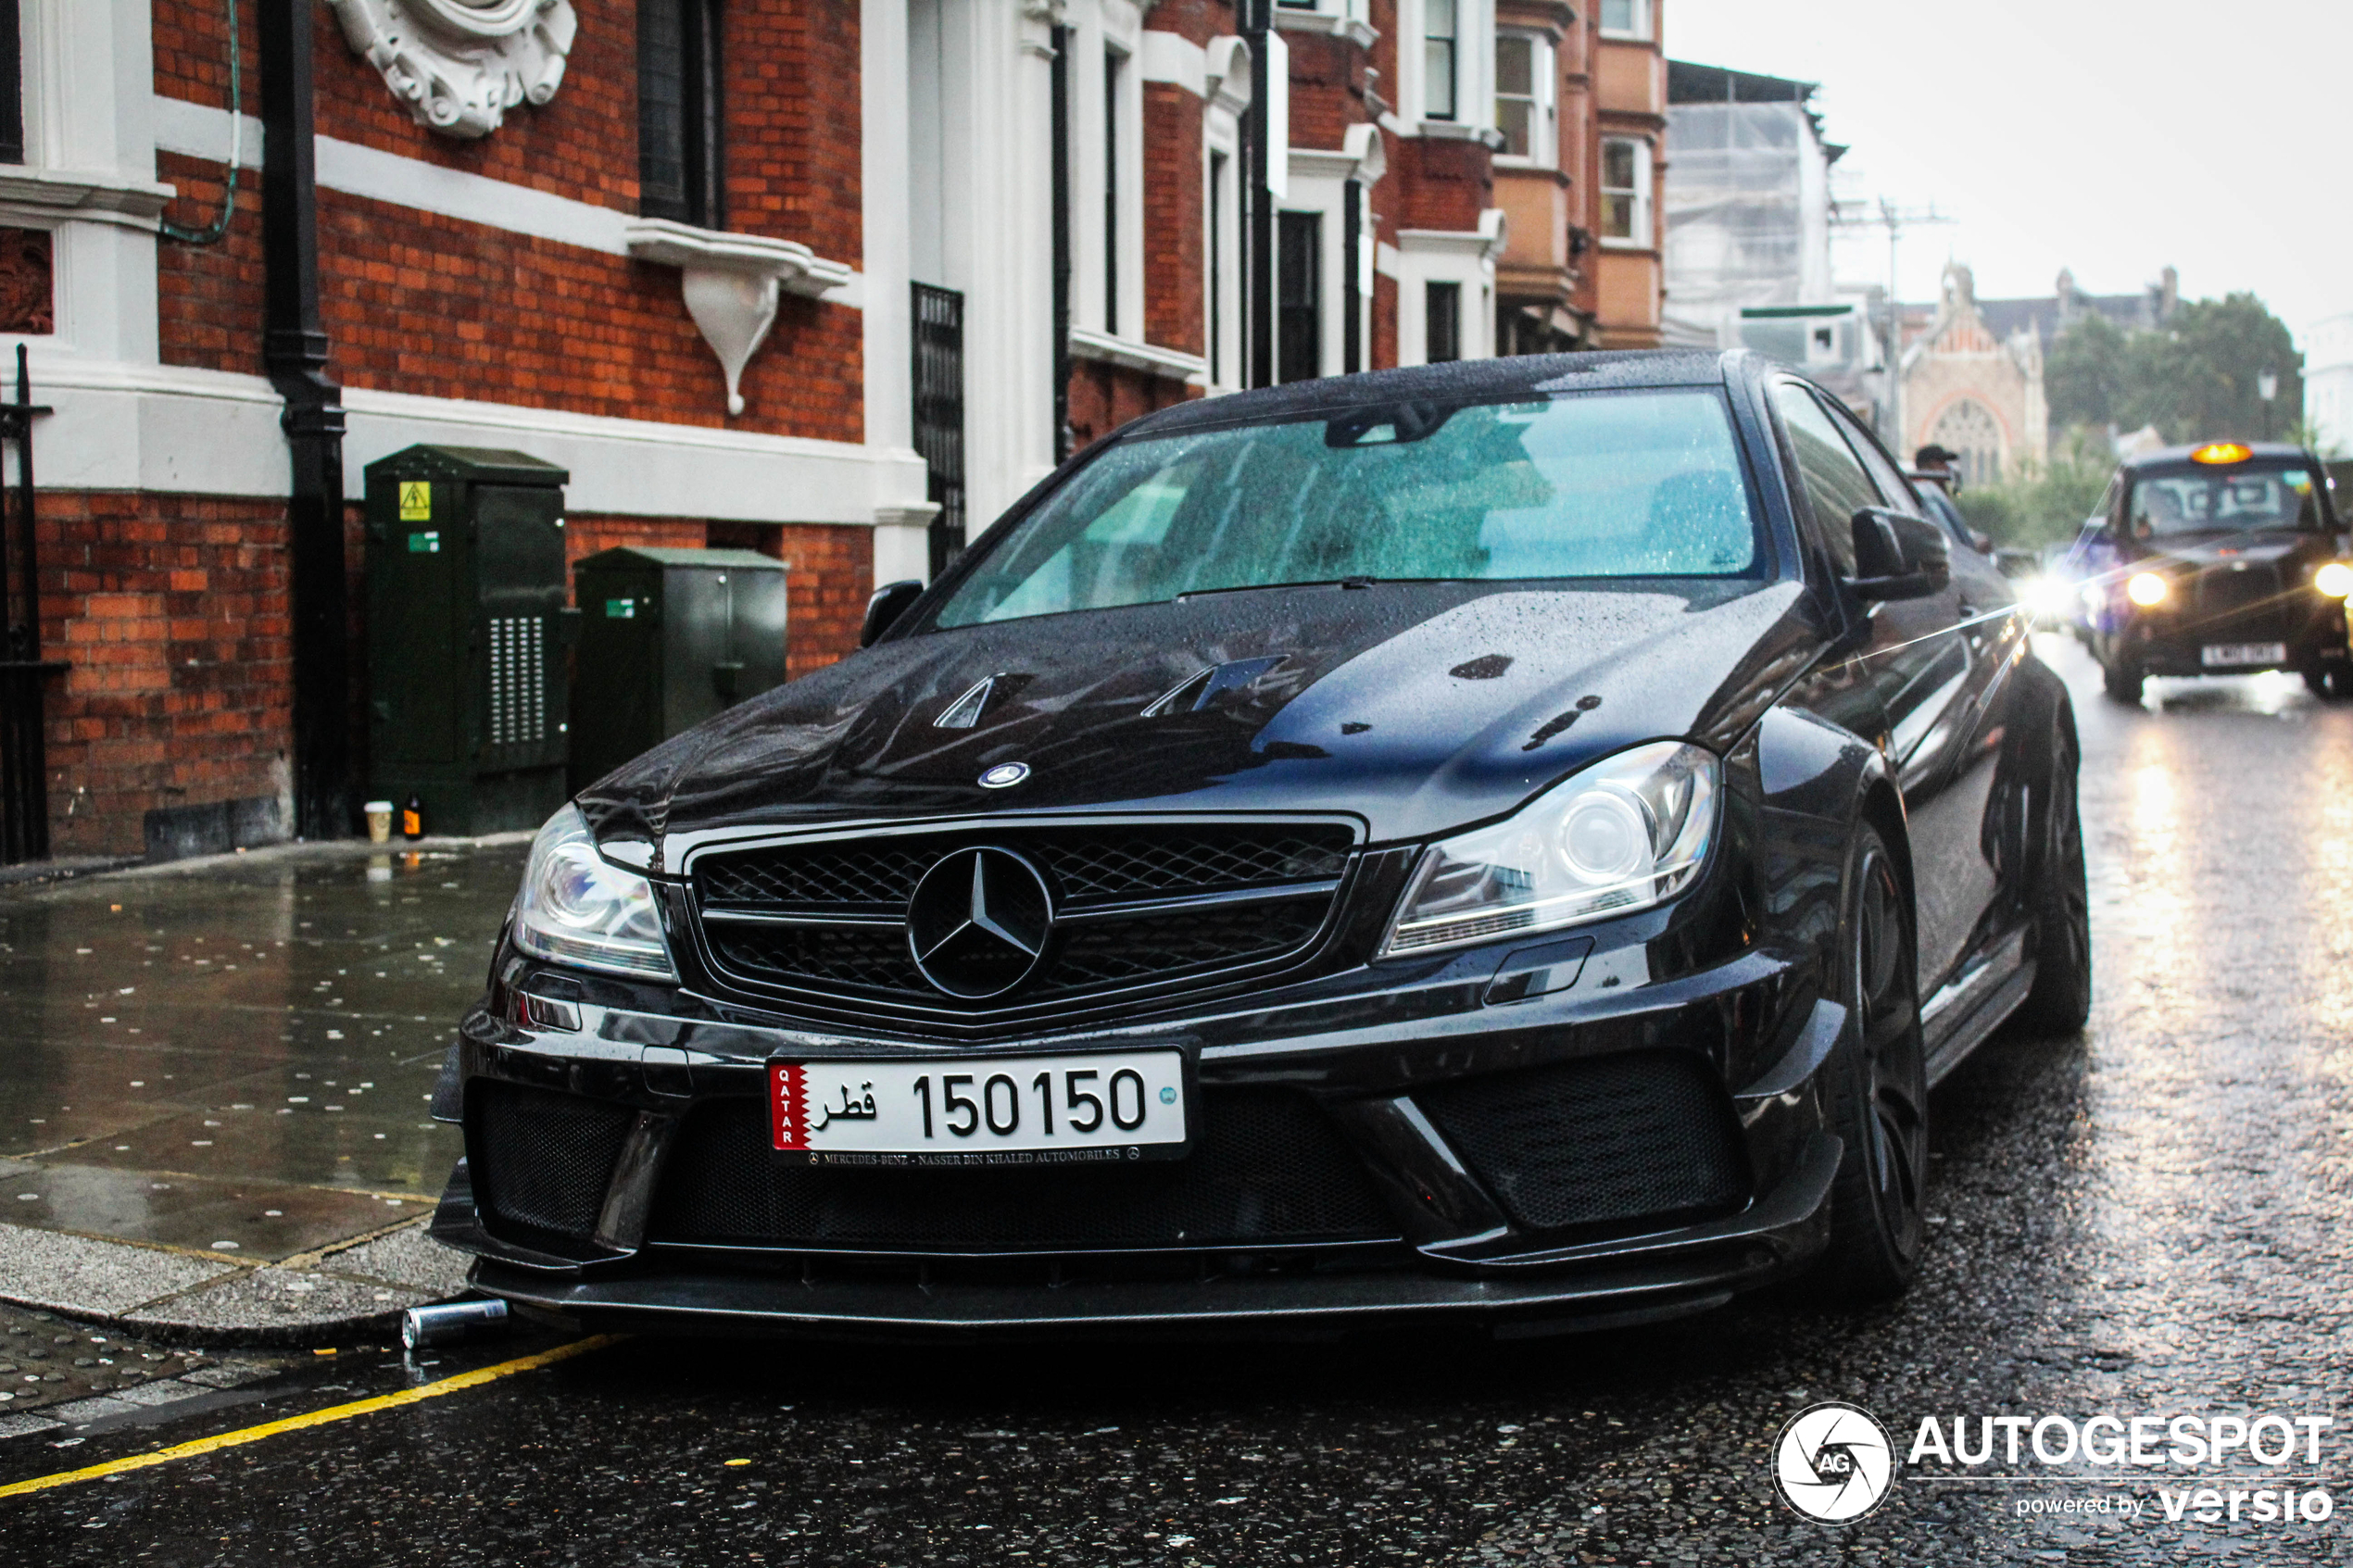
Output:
x=1417 y=708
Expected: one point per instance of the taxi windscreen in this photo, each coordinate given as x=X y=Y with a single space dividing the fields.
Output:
x=2173 y=500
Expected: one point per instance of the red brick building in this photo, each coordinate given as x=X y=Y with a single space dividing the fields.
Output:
x=821 y=278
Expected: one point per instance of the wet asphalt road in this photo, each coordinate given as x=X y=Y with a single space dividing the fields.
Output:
x=2147 y=1219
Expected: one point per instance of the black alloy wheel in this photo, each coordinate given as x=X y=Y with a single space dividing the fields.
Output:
x=2122 y=683
x=2061 y=999
x=2331 y=682
x=1880 y=1080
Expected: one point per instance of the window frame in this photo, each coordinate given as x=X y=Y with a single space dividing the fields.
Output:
x=1642 y=226
x=1642 y=28
x=1452 y=41
x=699 y=127
x=1542 y=98
x=1432 y=289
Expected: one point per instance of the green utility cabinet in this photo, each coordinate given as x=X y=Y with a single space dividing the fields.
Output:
x=669 y=638
x=467 y=634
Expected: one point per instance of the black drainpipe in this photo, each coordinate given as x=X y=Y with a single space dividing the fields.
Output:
x=1061 y=122
x=295 y=349
x=1258 y=207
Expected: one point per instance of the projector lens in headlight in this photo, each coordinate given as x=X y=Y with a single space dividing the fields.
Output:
x=2147 y=588
x=2335 y=578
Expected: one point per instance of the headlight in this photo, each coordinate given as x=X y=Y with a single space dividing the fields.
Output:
x=1627 y=832
x=576 y=908
x=2051 y=597
x=2147 y=588
x=2335 y=578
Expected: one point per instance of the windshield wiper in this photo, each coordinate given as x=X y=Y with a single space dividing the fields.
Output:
x=1358 y=582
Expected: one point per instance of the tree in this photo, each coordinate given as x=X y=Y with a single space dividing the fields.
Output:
x=2084 y=377
x=2197 y=378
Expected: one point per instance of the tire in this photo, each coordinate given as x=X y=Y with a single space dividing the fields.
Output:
x=2061 y=999
x=2316 y=678
x=2331 y=683
x=2122 y=684
x=1879 y=1085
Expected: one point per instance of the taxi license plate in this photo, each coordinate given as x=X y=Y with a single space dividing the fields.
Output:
x=986 y=1111
x=2222 y=655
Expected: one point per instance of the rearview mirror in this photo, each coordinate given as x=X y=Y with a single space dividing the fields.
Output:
x=1898 y=555
x=886 y=605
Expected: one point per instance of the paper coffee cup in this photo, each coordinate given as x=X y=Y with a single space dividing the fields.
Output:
x=379 y=821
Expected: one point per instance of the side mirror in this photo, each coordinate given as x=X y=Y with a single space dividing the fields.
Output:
x=1898 y=557
x=885 y=606
x=1981 y=540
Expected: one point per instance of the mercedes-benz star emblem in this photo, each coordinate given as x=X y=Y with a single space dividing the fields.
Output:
x=978 y=920
x=1004 y=775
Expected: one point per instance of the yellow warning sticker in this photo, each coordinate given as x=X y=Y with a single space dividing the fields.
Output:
x=416 y=500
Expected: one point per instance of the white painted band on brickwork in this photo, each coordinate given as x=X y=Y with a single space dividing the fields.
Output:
x=200 y=131
x=1172 y=57
x=178 y=430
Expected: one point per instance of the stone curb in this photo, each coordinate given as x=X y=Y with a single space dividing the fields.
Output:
x=360 y=1286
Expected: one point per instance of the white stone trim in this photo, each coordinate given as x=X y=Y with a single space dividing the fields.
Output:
x=200 y=131
x=1170 y=364
x=1362 y=34
x=1226 y=73
x=1174 y=58
x=210 y=432
x=49 y=196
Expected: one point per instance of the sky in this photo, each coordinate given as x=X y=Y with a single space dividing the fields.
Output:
x=2109 y=137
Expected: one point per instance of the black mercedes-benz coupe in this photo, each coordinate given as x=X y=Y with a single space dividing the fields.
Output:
x=1511 y=841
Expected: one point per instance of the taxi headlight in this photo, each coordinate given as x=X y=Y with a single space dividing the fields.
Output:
x=2052 y=596
x=1629 y=832
x=2147 y=588
x=576 y=908
x=2335 y=578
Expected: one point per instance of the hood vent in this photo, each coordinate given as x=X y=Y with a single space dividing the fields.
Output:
x=1202 y=688
x=965 y=711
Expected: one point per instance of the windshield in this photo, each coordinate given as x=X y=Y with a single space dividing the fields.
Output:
x=2194 y=498
x=1598 y=485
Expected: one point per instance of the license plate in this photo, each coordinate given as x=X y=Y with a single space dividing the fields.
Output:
x=990 y=1110
x=2219 y=654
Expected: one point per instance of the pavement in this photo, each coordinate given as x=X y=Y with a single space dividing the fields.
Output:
x=212 y=1108
x=2145 y=1220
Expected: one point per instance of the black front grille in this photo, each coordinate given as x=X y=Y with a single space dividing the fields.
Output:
x=1265 y=1169
x=541 y=1161
x=2241 y=605
x=1608 y=1144
x=1091 y=870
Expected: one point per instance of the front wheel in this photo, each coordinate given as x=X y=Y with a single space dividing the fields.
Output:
x=2122 y=683
x=2331 y=683
x=2061 y=999
x=1879 y=1085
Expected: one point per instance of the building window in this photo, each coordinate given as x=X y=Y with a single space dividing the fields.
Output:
x=1216 y=269
x=1437 y=59
x=1524 y=96
x=680 y=162
x=1626 y=191
x=11 y=84
x=1112 y=60
x=1627 y=18
x=1442 y=322
x=1299 y=317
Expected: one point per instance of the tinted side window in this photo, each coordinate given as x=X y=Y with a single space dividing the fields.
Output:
x=1836 y=485
x=1884 y=473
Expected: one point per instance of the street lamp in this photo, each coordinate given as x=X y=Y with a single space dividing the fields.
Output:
x=2266 y=386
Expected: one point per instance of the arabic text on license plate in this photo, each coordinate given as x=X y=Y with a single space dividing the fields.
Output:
x=985 y=1110
x=2244 y=653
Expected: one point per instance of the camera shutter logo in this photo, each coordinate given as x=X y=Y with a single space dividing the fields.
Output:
x=1833 y=1463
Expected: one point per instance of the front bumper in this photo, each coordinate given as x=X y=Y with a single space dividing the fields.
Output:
x=1374 y=1053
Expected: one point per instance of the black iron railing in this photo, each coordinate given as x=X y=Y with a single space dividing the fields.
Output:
x=939 y=414
x=24 y=767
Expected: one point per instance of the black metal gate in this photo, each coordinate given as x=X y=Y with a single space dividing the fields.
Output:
x=24 y=767
x=939 y=414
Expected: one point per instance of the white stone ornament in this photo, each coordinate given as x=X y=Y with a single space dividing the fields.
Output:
x=733 y=284
x=460 y=65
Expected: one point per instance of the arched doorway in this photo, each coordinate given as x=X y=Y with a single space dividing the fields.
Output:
x=1970 y=430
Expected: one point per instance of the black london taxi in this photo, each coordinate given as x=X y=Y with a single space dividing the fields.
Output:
x=2223 y=559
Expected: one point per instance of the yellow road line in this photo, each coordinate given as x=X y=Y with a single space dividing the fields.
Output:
x=457 y=1384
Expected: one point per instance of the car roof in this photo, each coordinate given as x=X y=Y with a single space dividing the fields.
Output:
x=1463 y=380
x=2181 y=454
